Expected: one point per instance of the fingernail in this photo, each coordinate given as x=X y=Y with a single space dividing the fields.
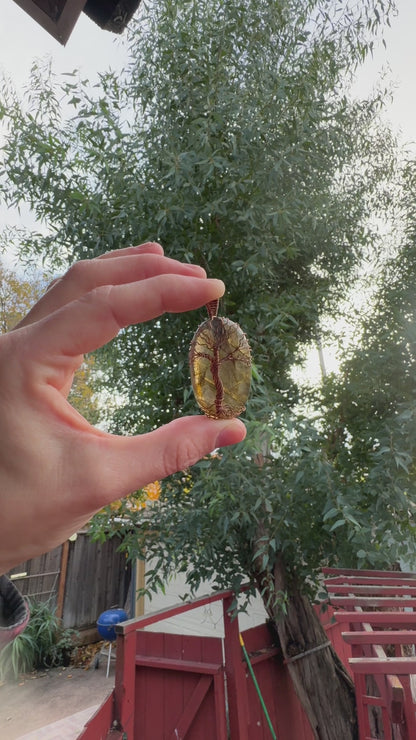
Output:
x=231 y=434
x=196 y=270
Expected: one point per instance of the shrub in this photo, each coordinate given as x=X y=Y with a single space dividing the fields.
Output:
x=45 y=643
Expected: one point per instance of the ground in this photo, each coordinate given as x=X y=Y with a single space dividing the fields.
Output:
x=41 y=698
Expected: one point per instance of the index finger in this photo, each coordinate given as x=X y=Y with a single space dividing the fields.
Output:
x=146 y=248
x=91 y=321
x=85 y=275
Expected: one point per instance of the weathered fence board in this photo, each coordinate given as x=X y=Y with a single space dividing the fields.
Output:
x=39 y=578
x=96 y=577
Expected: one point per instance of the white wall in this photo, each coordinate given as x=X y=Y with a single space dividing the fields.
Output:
x=205 y=621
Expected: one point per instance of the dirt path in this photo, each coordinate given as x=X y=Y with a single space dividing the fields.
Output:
x=47 y=697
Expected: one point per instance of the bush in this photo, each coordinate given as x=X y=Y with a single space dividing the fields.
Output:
x=43 y=644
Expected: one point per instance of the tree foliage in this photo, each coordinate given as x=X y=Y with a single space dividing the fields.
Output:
x=17 y=296
x=370 y=409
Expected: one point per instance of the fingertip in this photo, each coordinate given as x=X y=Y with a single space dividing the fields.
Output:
x=146 y=248
x=232 y=432
x=153 y=247
x=195 y=270
x=219 y=285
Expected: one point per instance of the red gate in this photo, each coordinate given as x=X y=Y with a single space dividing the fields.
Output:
x=179 y=684
x=175 y=687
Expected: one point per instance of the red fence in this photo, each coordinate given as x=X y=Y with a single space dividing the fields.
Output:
x=171 y=687
x=199 y=688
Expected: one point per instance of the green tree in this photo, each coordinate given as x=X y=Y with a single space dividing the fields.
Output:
x=230 y=138
x=370 y=413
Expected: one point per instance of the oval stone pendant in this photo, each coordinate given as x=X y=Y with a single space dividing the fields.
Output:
x=220 y=362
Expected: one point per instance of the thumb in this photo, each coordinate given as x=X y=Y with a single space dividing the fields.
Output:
x=129 y=463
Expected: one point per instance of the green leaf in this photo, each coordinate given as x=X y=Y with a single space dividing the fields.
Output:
x=337 y=524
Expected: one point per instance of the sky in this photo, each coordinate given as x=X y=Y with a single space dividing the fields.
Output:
x=22 y=40
x=93 y=50
x=398 y=59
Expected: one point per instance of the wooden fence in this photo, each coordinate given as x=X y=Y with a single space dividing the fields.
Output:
x=171 y=686
x=81 y=579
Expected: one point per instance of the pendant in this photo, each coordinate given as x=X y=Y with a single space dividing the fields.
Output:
x=220 y=363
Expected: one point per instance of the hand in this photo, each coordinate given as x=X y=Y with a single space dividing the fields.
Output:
x=56 y=470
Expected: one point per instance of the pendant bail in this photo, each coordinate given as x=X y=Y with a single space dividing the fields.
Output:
x=212 y=308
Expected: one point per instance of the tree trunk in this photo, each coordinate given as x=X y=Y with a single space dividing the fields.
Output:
x=322 y=684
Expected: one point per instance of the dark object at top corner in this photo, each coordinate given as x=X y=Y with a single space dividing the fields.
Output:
x=111 y=15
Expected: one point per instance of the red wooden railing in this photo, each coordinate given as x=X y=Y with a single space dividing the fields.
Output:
x=377 y=608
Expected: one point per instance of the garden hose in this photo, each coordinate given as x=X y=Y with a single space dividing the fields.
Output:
x=257 y=687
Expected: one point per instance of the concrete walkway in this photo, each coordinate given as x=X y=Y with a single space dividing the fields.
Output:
x=55 y=705
x=65 y=729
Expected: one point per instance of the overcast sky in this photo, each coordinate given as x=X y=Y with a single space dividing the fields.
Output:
x=92 y=50
x=399 y=60
x=22 y=40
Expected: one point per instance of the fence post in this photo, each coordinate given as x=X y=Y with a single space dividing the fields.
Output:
x=125 y=685
x=62 y=579
x=236 y=676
